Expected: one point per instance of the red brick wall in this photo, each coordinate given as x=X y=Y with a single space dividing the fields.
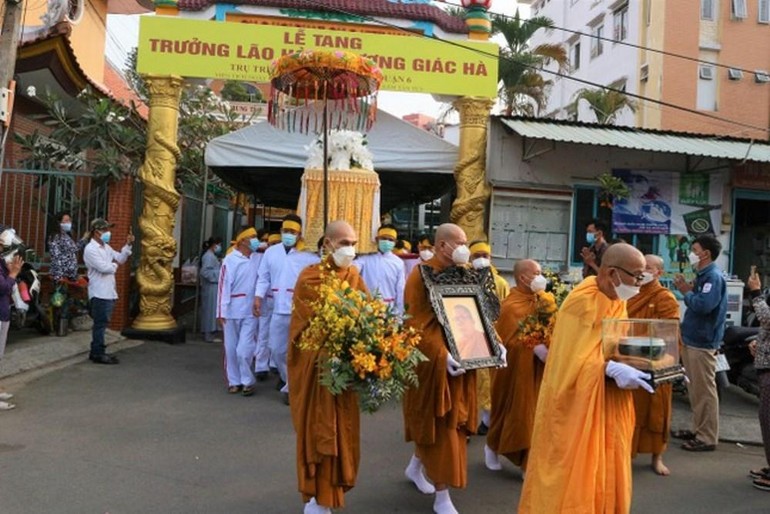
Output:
x=121 y=213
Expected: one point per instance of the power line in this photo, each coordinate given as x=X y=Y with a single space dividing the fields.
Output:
x=617 y=42
x=635 y=96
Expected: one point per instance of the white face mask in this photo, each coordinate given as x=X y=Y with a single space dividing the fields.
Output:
x=461 y=254
x=538 y=284
x=694 y=259
x=625 y=292
x=648 y=277
x=426 y=255
x=343 y=256
x=481 y=262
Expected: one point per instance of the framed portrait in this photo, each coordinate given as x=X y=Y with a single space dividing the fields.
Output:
x=466 y=306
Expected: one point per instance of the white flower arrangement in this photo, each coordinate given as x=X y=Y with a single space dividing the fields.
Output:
x=346 y=150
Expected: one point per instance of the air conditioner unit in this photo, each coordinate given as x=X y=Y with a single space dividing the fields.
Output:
x=706 y=72
x=761 y=77
x=734 y=74
x=644 y=72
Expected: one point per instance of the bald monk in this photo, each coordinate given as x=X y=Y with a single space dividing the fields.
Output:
x=515 y=388
x=580 y=457
x=441 y=412
x=653 y=412
x=327 y=426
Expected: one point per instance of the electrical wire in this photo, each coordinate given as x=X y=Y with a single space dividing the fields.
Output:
x=478 y=51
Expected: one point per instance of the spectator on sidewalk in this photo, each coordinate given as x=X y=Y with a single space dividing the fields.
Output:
x=63 y=250
x=761 y=351
x=209 y=278
x=102 y=263
x=10 y=266
x=703 y=328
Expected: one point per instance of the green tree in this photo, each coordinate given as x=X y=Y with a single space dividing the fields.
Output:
x=235 y=91
x=605 y=103
x=523 y=88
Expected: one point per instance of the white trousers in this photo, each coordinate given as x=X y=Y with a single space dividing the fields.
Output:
x=239 y=350
x=279 y=343
x=262 y=352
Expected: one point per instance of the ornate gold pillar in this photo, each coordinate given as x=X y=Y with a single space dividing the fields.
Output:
x=155 y=275
x=473 y=191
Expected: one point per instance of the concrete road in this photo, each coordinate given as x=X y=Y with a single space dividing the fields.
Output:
x=158 y=434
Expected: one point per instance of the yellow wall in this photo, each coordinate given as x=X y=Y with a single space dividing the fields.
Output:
x=648 y=115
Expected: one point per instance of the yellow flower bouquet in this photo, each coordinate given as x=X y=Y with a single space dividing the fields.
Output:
x=537 y=328
x=363 y=344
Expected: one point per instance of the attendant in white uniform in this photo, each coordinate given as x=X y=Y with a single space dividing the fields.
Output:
x=102 y=263
x=278 y=274
x=263 y=362
x=383 y=272
x=234 y=313
x=209 y=278
x=425 y=251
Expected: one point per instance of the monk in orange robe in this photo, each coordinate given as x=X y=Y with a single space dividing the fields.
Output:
x=515 y=388
x=653 y=412
x=580 y=457
x=327 y=426
x=441 y=412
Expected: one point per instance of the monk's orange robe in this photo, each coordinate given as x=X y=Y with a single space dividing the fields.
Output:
x=653 y=411
x=442 y=410
x=483 y=376
x=580 y=458
x=515 y=388
x=327 y=426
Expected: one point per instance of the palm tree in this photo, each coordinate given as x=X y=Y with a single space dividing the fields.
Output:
x=523 y=88
x=606 y=103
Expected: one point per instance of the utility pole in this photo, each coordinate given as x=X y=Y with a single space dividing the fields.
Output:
x=9 y=44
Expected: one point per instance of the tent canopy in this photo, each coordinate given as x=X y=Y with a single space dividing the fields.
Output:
x=414 y=165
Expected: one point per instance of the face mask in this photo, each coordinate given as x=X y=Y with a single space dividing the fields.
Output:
x=590 y=238
x=386 y=246
x=426 y=255
x=538 y=284
x=647 y=278
x=481 y=262
x=106 y=236
x=461 y=254
x=343 y=256
x=288 y=239
x=694 y=259
x=253 y=244
x=217 y=248
x=625 y=292
x=66 y=227
x=262 y=245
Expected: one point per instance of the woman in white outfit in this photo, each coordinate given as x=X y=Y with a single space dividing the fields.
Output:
x=209 y=277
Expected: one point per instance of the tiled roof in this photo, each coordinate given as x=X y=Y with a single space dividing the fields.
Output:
x=121 y=91
x=381 y=8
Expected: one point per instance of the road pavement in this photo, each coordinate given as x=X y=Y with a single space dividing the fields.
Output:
x=159 y=434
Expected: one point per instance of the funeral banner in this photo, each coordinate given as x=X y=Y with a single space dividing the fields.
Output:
x=668 y=202
x=169 y=45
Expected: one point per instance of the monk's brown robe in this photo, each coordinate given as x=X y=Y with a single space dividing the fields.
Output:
x=442 y=410
x=653 y=411
x=327 y=426
x=515 y=388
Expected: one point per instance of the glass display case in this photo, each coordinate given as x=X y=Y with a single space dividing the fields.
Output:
x=649 y=345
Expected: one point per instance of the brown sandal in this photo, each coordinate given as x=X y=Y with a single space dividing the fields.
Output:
x=696 y=445
x=234 y=389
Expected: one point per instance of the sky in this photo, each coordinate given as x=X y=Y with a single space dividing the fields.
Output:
x=123 y=32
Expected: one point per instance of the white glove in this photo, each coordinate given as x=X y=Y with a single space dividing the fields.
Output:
x=453 y=367
x=503 y=357
x=628 y=377
x=541 y=351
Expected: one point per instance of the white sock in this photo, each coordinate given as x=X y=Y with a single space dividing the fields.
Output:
x=312 y=507
x=442 y=504
x=415 y=472
x=491 y=459
x=485 y=417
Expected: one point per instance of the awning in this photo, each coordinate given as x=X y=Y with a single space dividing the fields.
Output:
x=700 y=145
x=415 y=166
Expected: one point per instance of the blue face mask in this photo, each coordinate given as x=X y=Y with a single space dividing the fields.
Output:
x=386 y=246
x=254 y=244
x=590 y=238
x=217 y=249
x=106 y=236
x=66 y=227
x=288 y=239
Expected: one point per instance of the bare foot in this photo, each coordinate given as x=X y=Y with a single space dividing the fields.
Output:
x=658 y=466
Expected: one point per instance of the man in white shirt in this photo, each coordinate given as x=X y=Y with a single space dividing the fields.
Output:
x=383 y=272
x=102 y=263
x=278 y=274
x=234 y=301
